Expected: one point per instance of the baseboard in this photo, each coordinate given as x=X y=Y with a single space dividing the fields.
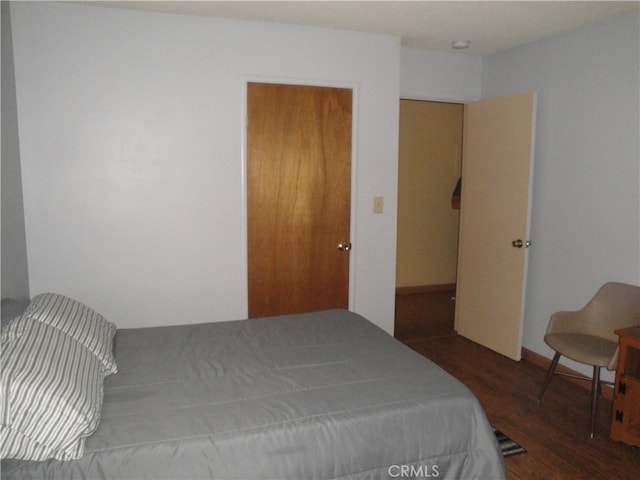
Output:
x=544 y=362
x=445 y=287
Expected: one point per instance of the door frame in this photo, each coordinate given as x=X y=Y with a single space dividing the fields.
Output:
x=354 y=87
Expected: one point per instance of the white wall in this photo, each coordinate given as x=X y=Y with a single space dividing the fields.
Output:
x=586 y=201
x=132 y=148
x=131 y=137
x=440 y=76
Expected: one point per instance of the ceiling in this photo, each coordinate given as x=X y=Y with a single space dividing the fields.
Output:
x=490 y=26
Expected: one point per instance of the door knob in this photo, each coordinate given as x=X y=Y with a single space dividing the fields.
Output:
x=518 y=243
x=345 y=247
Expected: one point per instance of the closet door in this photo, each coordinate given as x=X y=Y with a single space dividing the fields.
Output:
x=298 y=198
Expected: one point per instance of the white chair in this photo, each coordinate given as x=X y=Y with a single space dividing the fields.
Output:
x=587 y=335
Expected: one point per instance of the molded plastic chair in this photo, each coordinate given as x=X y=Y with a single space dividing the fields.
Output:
x=587 y=336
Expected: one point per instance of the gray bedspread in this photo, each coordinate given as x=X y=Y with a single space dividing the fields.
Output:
x=320 y=395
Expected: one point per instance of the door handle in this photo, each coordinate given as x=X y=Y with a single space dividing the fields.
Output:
x=519 y=243
x=344 y=247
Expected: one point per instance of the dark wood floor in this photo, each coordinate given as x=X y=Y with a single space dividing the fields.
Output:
x=424 y=315
x=556 y=435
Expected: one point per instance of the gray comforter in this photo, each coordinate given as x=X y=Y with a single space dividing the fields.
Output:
x=320 y=395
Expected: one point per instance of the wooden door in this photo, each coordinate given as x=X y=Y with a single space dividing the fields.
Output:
x=298 y=198
x=497 y=163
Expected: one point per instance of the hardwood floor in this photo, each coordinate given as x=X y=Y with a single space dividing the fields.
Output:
x=424 y=315
x=556 y=434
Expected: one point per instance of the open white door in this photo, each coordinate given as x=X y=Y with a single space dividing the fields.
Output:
x=497 y=166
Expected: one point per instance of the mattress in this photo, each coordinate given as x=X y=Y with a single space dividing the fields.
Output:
x=310 y=396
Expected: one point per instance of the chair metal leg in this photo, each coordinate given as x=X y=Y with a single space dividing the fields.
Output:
x=552 y=369
x=595 y=388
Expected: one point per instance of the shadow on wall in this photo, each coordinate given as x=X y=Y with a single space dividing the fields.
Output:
x=15 y=276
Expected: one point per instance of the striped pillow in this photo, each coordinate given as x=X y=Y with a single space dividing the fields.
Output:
x=78 y=321
x=51 y=394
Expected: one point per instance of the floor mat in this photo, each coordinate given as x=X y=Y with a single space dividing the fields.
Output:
x=508 y=446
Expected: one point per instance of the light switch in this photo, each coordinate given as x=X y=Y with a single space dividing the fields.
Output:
x=378 y=204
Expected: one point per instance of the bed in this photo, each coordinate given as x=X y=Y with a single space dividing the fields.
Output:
x=318 y=395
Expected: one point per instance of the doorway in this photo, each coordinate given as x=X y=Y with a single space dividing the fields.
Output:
x=498 y=139
x=430 y=156
x=298 y=198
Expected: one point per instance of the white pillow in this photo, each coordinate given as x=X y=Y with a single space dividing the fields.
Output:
x=51 y=393
x=79 y=321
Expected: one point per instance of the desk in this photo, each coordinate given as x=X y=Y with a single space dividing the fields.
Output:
x=625 y=421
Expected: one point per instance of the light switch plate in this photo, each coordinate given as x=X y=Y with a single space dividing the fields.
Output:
x=378 y=204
